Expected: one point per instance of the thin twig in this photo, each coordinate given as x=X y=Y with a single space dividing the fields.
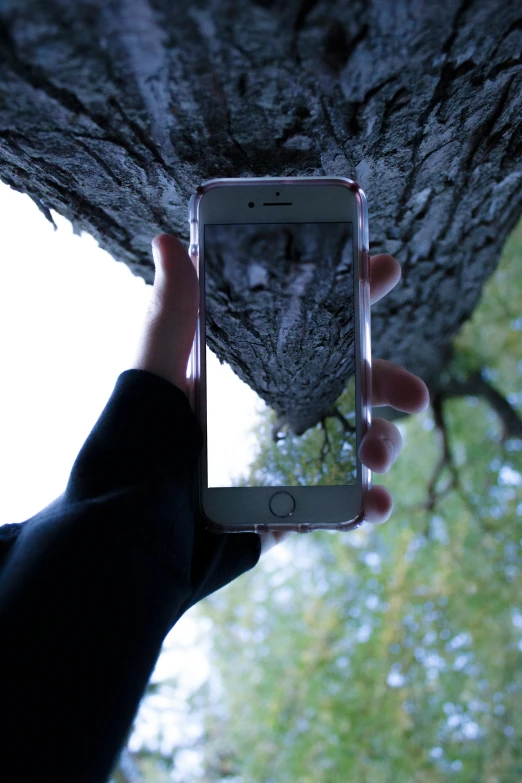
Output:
x=445 y=460
x=335 y=413
x=326 y=445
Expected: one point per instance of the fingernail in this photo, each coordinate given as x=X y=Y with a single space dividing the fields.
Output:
x=155 y=253
x=391 y=448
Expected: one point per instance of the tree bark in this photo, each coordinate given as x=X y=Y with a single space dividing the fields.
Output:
x=113 y=111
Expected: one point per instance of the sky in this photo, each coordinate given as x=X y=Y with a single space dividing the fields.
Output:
x=232 y=410
x=70 y=322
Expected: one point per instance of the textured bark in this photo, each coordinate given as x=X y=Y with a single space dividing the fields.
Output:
x=111 y=113
x=286 y=293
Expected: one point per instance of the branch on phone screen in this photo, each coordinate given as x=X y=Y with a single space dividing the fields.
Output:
x=336 y=413
x=326 y=446
x=278 y=432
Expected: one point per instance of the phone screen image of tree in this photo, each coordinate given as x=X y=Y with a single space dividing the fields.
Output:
x=280 y=354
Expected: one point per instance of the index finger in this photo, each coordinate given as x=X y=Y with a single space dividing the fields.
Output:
x=394 y=385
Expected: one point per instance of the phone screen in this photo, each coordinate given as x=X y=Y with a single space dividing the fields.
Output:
x=286 y=293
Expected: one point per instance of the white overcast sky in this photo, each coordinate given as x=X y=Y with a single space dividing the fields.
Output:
x=70 y=319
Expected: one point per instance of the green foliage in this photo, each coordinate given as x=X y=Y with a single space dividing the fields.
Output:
x=390 y=654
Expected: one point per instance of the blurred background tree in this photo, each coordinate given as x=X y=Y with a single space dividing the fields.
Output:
x=390 y=653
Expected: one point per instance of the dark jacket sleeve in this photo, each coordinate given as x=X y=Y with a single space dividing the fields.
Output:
x=91 y=585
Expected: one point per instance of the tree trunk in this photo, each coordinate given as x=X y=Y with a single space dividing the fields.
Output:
x=113 y=111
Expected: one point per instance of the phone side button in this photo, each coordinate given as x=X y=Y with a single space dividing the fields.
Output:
x=282 y=504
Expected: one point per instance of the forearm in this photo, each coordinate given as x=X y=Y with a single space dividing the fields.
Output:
x=94 y=583
x=84 y=609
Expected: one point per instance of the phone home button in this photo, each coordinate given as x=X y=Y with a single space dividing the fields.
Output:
x=282 y=504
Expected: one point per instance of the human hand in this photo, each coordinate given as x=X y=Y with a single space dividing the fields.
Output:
x=391 y=385
x=169 y=333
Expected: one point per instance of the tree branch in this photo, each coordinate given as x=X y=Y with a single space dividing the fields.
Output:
x=446 y=460
x=477 y=386
x=276 y=429
x=119 y=150
x=336 y=413
x=326 y=446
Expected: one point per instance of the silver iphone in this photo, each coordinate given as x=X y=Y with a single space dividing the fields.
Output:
x=280 y=371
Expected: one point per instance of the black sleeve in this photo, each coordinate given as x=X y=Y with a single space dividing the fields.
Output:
x=92 y=584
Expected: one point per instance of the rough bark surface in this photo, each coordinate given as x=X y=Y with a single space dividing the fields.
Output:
x=112 y=113
x=286 y=293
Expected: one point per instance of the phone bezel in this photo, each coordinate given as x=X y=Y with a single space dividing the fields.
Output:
x=313 y=199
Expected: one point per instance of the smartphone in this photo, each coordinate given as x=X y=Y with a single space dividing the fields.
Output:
x=280 y=370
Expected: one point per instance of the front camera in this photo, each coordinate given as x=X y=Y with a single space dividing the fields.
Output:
x=250 y=204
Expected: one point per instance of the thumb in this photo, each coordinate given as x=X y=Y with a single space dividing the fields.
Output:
x=171 y=320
